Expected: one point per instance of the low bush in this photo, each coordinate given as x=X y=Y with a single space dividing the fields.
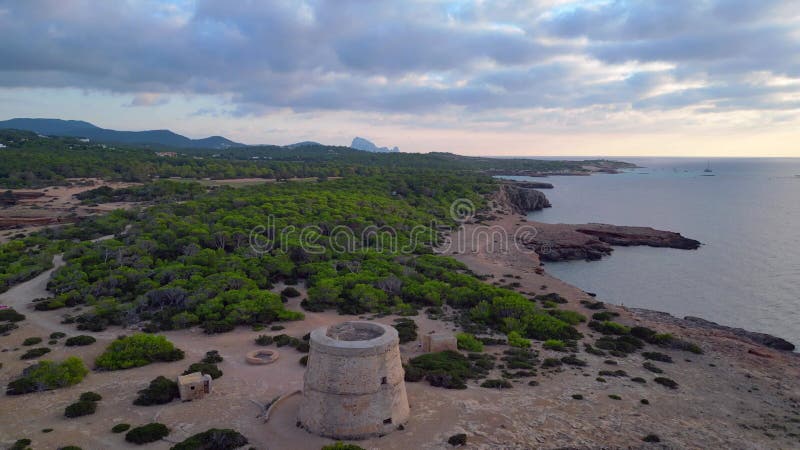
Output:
x=615 y=373
x=264 y=340
x=551 y=297
x=120 y=428
x=639 y=380
x=604 y=315
x=516 y=340
x=620 y=345
x=70 y=447
x=651 y=438
x=457 y=439
x=413 y=374
x=644 y=401
x=137 y=350
x=446 y=369
x=497 y=384
x=406 y=329
x=664 y=381
x=35 y=353
x=212 y=357
x=80 y=408
x=577 y=396
x=573 y=360
x=570 y=317
x=7 y=327
x=588 y=304
x=283 y=340
x=32 y=341
x=161 y=390
x=90 y=397
x=57 y=335
x=342 y=446
x=590 y=349
x=656 y=356
x=147 y=433
x=555 y=344
x=304 y=360
x=652 y=367
x=277 y=327
x=213 y=439
x=550 y=363
x=469 y=343
x=609 y=327
x=20 y=444
x=206 y=368
x=614 y=397
x=10 y=315
x=519 y=358
x=80 y=340
x=47 y=375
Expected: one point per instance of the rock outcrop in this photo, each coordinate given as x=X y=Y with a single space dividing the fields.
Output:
x=521 y=198
x=367 y=146
x=562 y=242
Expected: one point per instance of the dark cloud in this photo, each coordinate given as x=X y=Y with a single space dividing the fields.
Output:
x=400 y=57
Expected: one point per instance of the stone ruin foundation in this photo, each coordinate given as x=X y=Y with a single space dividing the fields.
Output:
x=353 y=385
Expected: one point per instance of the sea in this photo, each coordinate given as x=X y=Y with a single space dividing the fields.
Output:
x=747 y=215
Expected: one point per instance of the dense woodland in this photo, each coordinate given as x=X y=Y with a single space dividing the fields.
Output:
x=29 y=160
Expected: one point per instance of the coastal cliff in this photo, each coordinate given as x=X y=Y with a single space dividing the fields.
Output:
x=521 y=197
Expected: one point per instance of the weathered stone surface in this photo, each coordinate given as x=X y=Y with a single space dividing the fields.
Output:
x=522 y=199
x=439 y=342
x=353 y=386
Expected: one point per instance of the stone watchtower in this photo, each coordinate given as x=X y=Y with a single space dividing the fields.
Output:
x=353 y=386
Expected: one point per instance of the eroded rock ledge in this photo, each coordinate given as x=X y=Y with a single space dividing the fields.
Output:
x=562 y=242
x=522 y=197
x=764 y=339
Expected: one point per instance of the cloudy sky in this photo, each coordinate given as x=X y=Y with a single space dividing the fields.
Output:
x=538 y=77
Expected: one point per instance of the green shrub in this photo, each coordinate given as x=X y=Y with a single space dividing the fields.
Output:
x=406 y=329
x=206 y=368
x=497 y=384
x=35 y=353
x=80 y=340
x=57 y=335
x=147 y=433
x=644 y=401
x=651 y=438
x=469 y=343
x=652 y=367
x=120 y=428
x=304 y=360
x=21 y=444
x=543 y=326
x=615 y=373
x=212 y=357
x=639 y=380
x=10 y=315
x=656 y=356
x=161 y=390
x=80 y=408
x=592 y=350
x=551 y=297
x=520 y=358
x=32 y=341
x=573 y=360
x=342 y=446
x=137 y=350
x=457 y=439
x=604 y=315
x=7 y=327
x=446 y=369
x=90 y=397
x=664 y=381
x=577 y=396
x=213 y=439
x=621 y=345
x=570 y=317
x=290 y=292
x=614 y=397
x=70 y=447
x=516 y=340
x=264 y=340
x=609 y=327
x=47 y=375
x=550 y=363
x=283 y=340
x=276 y=327
x=554 y=344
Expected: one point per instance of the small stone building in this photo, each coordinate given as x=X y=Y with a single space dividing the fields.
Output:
x=439 y=342
x=194 y=386
x=353 y=386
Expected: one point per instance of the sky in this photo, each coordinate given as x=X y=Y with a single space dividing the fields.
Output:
x=475 y=77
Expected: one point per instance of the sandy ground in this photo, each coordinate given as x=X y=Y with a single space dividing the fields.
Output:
x=728 y=398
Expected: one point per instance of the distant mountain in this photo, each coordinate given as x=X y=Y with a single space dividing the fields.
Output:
x=81 y=129
x=367 y=146
x=302 y=144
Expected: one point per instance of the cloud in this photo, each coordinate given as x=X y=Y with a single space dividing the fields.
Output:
x=501 y=59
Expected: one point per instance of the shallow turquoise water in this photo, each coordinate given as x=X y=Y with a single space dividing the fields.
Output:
x=746 y=274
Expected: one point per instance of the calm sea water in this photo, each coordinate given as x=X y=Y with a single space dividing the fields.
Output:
x=747 y=273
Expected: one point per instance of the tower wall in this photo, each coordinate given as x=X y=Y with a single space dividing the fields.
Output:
x=353 y=386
